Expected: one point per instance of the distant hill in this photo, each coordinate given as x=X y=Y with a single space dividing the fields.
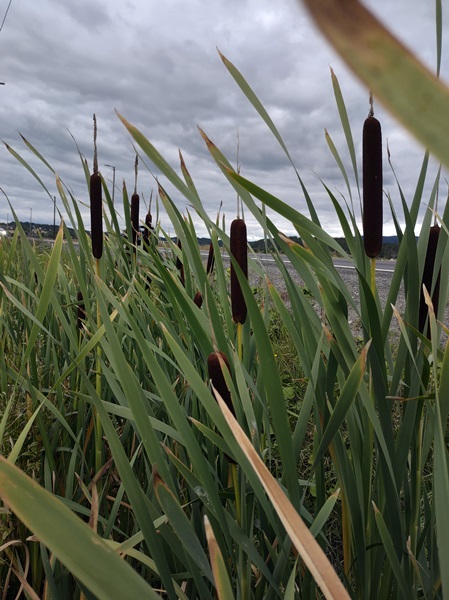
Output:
x=389 y=250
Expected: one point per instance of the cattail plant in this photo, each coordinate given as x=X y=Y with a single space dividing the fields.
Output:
x=427 y=278
x=135 y=201
x=239 y=251
x=96 y=208
x=372 y=184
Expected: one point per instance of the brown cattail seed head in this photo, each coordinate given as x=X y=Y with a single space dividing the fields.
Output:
x=217 y=377
x=96 y=215
x=239 y=250
x=180 y=266
x=372 y=186
x=81 y=312
x=210 y=259
x=146 y=231
x=135 y=217
x=198 y=299
x=427 y=278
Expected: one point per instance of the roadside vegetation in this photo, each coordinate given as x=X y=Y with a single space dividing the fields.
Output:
x=169 y=431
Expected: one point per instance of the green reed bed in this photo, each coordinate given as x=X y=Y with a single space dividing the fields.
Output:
x=160 y=454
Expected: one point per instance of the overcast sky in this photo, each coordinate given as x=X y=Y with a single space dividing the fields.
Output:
x=156 y=63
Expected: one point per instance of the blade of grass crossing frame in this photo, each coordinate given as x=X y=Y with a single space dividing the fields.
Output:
x=380 y=61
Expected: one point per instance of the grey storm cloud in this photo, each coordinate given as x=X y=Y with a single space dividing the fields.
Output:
x=157 y=64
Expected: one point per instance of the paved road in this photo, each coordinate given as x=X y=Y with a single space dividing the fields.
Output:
x=382 y=266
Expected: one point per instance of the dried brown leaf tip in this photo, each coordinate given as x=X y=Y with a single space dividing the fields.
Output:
x=96 y=204
x=428 y=278
x=372 y=185
x=239 y=251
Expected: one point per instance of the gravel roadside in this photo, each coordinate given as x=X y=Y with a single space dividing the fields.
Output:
x=349 y=276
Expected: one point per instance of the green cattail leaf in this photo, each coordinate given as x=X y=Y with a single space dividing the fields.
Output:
x=346 y=127
x=344 y=402
x=181 y=526
x=391 y=553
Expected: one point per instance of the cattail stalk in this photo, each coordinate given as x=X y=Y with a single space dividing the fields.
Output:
x=372 y=185
x=96 y=220
x=427 y=279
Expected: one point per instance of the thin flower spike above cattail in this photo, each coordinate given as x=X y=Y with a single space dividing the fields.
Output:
x=372 y=185
x=239 y=250
x=96 y=204
x=427 y=278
